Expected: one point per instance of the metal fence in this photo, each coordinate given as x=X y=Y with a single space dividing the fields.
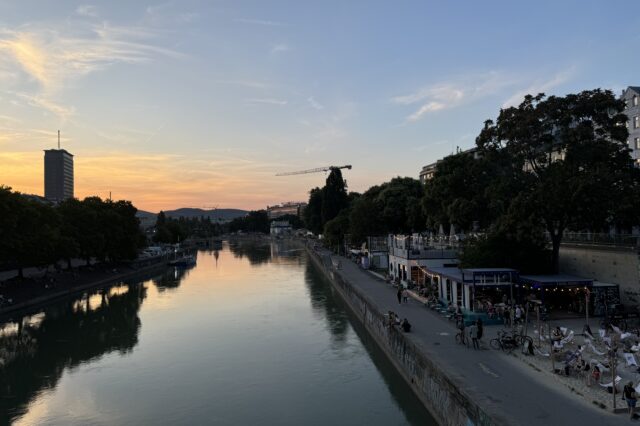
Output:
x=618 y=240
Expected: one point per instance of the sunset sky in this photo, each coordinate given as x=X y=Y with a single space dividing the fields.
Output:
x=200 y=103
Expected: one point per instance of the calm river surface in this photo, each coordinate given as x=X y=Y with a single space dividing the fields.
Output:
x=252 y=335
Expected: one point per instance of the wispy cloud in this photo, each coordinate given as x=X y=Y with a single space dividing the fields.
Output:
x=53 y=57
x=280 y=48
x=541 y=86
x=450 y=94
x=263 y=22
x=87 y=10
x=253 y=84
x=314 y=104
x=268 y=101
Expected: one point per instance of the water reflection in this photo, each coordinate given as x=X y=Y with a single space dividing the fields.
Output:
x=325 y=304
x=35 y=350
x=328 y=305
x=255 y=251
x=171 y=279
x=262 y=339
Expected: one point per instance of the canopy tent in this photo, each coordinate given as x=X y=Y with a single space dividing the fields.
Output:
x=562 y=294
x=564 y=280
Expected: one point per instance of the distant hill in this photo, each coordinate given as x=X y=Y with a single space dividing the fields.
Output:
x=216 y=214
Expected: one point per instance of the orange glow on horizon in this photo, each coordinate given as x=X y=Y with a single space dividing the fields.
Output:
x=155 y=182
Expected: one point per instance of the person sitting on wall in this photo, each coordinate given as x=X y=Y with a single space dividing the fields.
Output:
x=391 y=319
x=397 y=320
x=406 y=326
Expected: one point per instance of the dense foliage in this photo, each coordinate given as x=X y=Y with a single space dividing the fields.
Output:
x=574 y=154
x=393 y=207
x=175 y=230
x=548 y=165
x=326 y=203
x=255 y=221
x=34 y=233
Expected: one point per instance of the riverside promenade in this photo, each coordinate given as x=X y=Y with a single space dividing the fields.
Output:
x=505 y=390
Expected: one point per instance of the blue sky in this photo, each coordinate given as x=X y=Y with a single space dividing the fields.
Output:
x=194 y=103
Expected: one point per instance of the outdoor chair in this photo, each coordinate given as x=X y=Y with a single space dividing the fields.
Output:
x=624 y=336
x=592 y=347
x=631 y=360
x=600 y=366
x=568 y=338
x=540 y=352
x=611 y=384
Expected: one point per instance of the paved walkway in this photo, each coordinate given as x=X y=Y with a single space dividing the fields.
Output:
x=500 y=382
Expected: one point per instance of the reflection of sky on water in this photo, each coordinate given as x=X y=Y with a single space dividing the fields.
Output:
x=253 y=337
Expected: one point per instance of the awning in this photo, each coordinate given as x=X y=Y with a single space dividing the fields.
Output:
x=553 y=280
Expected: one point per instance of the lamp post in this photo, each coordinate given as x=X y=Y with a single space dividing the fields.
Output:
x=613 y=361
x=586 y=310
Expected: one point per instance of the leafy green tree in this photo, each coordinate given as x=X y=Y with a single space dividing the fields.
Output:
x=29 y=231
x=163 y=233
x=516 y=241
x=334 y=196
x=468 y=190
x=69 y=242
x=294 y=220
x=10 y=211
x=335 y=230
x=124 y=241
x=313 y=212
x=393 y=207
x=255 y=221
x=574 y=151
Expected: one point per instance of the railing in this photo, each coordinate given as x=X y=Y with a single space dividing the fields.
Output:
x=618 y=240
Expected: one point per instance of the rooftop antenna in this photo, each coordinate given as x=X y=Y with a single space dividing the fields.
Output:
x=58 y=139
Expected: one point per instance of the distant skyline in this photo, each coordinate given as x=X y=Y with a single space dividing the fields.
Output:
x=197 y=103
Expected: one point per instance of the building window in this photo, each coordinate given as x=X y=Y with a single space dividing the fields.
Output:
x=637 y=143
x=635 y=100
x=636 y=122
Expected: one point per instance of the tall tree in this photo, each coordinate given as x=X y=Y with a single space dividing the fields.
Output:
x=334 y=196
x=575 y=155
x=313 y=212
x=393 y=207
x=469 y=189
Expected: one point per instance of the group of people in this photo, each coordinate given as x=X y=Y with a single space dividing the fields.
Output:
x=394 y=321
x=402 y=294
x=476 y=330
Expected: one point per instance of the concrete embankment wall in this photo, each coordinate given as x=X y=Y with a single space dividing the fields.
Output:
x=615 y=265
x=445 y=399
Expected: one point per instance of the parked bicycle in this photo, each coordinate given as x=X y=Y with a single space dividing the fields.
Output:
x=505 y=341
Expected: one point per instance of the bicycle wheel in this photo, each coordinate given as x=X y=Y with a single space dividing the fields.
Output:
x=508 y=346
x=495 y=344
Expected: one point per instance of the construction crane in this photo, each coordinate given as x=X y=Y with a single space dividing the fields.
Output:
x=317 y=170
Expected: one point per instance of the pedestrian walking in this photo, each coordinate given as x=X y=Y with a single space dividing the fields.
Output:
x=480 y=329
x=399 y=294
x=473 y=333
x=630 y=396
x=518 y=314
x=405 y=296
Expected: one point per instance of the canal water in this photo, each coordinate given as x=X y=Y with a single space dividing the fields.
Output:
x=252 y=335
